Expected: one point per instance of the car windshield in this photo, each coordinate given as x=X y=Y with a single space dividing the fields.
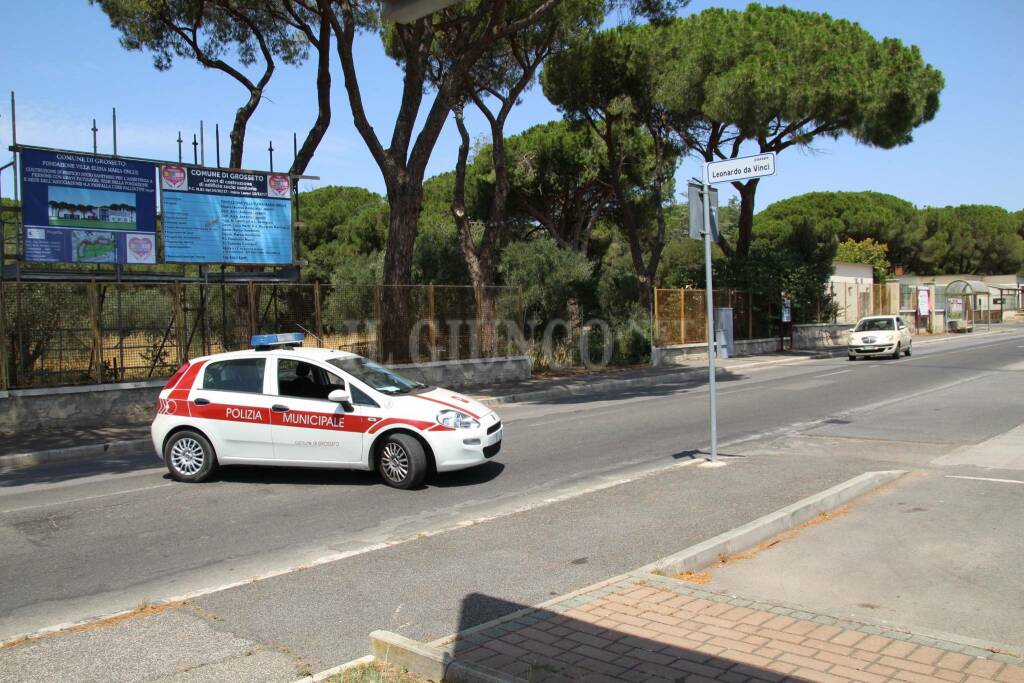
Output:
x=377 y=376
x=874 y=325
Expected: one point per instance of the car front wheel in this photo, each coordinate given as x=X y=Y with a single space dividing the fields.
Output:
x=897 y=352
x=908 y=349
x=402 y=462
x=189 y=457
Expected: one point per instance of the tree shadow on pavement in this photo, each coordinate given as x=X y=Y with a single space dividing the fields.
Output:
x=53 y=472
x=658 y=387
x=598 y=645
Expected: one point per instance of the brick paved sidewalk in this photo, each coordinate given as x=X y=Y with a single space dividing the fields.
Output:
x=654 y=629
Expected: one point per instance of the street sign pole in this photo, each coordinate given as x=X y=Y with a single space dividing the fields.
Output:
x=727 y=170
x=712 y=398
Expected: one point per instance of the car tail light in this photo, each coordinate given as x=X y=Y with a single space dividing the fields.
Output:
x=177 y=375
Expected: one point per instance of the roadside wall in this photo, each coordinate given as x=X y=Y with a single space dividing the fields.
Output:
x=678 y=354
x=820 y=335
x=24 y=411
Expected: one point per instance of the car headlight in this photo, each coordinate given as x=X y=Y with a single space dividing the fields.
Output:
x=453 y=419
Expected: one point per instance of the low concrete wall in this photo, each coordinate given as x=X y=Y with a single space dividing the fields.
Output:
x=678 y=354
x=23 y=411
x=820 y=335
x=458 y=374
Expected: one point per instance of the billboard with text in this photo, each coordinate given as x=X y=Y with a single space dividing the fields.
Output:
x=85 y=208
x=225 y=216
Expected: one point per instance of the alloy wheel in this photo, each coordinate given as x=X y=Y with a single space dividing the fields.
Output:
x=394 y=462
x=187 y=456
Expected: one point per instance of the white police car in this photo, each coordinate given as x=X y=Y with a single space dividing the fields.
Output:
x=280 y=404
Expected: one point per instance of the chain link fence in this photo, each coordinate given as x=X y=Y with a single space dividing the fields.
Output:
x=63 y=333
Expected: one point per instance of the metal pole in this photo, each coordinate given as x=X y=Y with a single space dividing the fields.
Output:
x=14 y=143
x=712 y=398
x=195 y=149
x=179 y=146
x=202 y=145
x=271 y=150
x=115 y=130
x=216 y=136
x=94 y=131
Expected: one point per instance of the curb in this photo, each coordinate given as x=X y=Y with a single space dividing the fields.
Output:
x=748 y=535
x=431 y=662
x=15 y=460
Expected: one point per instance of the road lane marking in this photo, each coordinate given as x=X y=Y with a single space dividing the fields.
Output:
x=1002 y=481
x=829 y=374
x=85 y=498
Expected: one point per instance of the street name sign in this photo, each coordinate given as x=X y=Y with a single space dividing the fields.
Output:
x=742 y=168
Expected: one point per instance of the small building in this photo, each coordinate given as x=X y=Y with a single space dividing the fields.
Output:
x=850 y=291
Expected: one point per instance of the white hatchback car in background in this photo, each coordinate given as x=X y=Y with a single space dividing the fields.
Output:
x=879 y=335
x=280 y=404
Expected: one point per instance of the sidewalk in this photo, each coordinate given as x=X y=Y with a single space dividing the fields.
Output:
x=642 y=627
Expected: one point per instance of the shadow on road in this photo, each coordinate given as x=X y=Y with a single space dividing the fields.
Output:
x=658 y=387
x=55 y=472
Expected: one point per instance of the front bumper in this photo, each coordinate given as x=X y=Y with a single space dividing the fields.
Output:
x=463 y=448
x=871 y=349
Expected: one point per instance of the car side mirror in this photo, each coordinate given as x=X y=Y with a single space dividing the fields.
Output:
x=341 y=396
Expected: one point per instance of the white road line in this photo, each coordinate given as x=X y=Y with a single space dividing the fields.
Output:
x=1002 y=481
x=829 y=374
x=84 y=498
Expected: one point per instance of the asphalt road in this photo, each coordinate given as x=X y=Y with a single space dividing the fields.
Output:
x=78 y=546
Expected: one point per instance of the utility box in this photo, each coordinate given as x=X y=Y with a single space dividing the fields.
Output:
x=723 y=333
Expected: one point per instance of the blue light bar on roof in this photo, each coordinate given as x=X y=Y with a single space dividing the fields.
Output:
x=263 y=341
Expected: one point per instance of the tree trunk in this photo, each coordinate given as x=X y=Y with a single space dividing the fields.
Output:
x=323 y=100
x=242 y=117
x=746 y=222
x=395 y=324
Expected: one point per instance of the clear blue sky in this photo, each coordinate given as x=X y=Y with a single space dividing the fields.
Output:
x=65 y=64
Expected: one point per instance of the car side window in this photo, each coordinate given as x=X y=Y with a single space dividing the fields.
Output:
x=360 y=398
x=243 y=375
x=300 y=379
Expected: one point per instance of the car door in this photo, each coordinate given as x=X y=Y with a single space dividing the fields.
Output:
x=307 y=428
x=904 y=333
x=232 y=408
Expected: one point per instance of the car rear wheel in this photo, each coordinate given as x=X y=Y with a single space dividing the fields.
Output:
x=401 y=462
x=897 y=352
x=189 y=457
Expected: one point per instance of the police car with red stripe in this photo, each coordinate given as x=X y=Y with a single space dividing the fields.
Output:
x=282 y=404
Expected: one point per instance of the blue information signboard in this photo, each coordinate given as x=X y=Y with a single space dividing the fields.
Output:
x=84 y=208
x=225 y=216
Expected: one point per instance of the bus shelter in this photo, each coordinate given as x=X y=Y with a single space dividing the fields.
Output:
x=967 y=303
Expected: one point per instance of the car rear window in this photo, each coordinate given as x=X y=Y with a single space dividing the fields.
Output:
x=243 y=374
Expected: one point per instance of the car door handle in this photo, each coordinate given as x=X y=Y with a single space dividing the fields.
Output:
x=278 y=408
x=202 y=401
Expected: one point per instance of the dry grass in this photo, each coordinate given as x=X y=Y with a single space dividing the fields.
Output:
x=376 y=672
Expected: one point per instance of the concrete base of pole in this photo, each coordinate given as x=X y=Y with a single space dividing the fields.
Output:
x=713 y=463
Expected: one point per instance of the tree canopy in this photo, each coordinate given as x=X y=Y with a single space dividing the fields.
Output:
x=776 y=77
x=857 y=216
